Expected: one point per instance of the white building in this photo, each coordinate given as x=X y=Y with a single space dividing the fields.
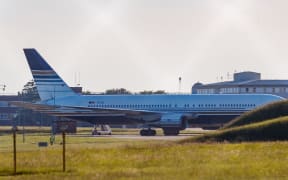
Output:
x=244 y=83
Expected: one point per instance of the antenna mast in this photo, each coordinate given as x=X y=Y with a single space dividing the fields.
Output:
x=3 y=86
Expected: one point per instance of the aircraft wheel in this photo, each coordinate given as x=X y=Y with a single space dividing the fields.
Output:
x=147 y=132
x=143 y=132
x=153 y=132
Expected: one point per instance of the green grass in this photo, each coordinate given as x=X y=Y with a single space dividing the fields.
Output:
x=266 y=123
x=112 y=158
x=269 y=130
x=269 y=111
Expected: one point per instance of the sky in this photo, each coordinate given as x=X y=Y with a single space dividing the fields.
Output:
x=144 y=44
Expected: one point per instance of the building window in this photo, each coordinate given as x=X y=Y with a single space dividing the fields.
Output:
x=247 y=90
x=4 y=116
x=277 y=90
x=3 y=104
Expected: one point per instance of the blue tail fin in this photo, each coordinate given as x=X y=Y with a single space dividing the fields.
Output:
x=49 y=84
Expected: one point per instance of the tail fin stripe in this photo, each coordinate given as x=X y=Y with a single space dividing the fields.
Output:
x=42 y=72
x=47 y=80
x=46 y=76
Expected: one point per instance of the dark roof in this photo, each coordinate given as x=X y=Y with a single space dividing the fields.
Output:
x=269 y=82
x=251 y=83
x=10 y=98
x=8 y=109
x=197 y=84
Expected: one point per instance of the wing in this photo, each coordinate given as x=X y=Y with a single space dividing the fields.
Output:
x=90 y=114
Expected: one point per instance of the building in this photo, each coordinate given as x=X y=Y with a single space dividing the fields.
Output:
x=244 y=83
x=7 y=112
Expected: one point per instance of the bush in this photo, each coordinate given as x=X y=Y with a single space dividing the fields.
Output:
x=269 y=111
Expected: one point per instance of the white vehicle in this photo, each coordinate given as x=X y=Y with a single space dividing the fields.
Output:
x=101 y=130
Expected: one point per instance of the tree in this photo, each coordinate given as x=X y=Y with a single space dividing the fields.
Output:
x=159 y=92
x=28 y=117
x=30 y=93
x=117 y=91
x=153 y=92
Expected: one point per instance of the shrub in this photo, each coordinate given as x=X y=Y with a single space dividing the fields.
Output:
x=270 y=130
x=269 y=111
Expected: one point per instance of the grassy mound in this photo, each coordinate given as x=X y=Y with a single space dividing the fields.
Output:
x=270 y=130
x=269 y=111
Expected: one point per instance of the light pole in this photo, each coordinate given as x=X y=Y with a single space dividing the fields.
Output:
x=14 y=129
x=180 y=79
x=23 y=119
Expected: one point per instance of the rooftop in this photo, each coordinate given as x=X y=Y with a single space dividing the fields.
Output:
x=251 y=83
x=247 y=78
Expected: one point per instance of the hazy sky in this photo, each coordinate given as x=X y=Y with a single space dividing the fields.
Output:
x=144 y=44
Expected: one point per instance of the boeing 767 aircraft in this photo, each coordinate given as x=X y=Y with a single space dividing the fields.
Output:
x=169 y=112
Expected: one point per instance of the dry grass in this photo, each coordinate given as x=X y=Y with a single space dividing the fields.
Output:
x=111 y=158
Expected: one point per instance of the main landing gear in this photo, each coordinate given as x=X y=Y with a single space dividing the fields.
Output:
x=148 y=132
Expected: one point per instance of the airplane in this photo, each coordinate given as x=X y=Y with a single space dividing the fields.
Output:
x=171 y=112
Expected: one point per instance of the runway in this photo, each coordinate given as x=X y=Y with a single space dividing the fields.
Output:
x=138 y=137
x=159 y=137
x=117 y=135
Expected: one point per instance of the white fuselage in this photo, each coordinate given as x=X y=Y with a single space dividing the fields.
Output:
x=168 y=103
x=169 y=112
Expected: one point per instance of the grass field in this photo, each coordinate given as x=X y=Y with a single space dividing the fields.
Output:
x=113 y=158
